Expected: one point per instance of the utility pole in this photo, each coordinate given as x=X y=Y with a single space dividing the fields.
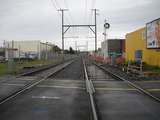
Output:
x=4 y=47
x=11 y=57
x=12 y=49
x=87 y=46
x=46 y=51
x=4 y=43
x=95 y=15
x=19 y=50
x=62 y=11
x=76 y=46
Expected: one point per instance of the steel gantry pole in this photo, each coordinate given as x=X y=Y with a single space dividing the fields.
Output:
x=95 y=12
x=62 y=32
x=62 y=11
x=95 y=22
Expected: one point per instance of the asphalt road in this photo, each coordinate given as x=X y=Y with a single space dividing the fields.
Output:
x=116 y=100
x=54 y=99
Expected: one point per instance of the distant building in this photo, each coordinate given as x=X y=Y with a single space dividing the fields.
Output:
x=112 y=47
x=27 y=49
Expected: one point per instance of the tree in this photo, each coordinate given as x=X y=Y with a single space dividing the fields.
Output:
x=71 y=51
x=56 y=49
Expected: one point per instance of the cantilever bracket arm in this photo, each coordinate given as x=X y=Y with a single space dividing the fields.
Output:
x=92 y=29
x=68 y=26
x=66 y=29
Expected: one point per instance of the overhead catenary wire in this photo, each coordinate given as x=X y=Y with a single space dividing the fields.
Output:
x=64 y=3
x=68 y=15
x=54 y=5
x=85 y=11
x=93 y=4
x=90 y=17
x=67 y=7
x=86 y=17
x=92 y=7
x=57 y=6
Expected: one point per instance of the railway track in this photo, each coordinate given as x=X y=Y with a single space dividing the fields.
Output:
x=41 y=69
x=60 y=96
x=43 y=74
x=103 y=86
x=80 y=91
x=140 y=89
x=90 y=90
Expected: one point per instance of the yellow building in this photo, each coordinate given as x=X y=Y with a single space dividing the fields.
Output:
x=137 y=41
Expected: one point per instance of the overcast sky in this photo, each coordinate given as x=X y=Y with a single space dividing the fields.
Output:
x=39 y=19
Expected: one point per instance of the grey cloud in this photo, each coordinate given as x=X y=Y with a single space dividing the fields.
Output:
x=38 y=19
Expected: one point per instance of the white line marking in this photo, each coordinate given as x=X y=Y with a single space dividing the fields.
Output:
x=45 y=97
x=51 y=86
x=13 y=84
x=117 y=89
x=153 y=81
x=154 y=90
x=70 y=87
x=60 y=80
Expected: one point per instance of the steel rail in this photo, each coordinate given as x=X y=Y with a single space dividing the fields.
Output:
x=37 y=70
x=90 y=89
x=130 y=83
x=13 y=95
x=44 y=67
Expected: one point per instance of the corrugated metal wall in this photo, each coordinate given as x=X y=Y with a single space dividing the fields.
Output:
x=116 y=45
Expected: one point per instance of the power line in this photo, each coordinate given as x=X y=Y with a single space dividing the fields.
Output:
x=67 y=7
x=85 y=11
x=59 y=7
x=54 y=5
x=93 y=4
x=65 y=3
x=57 y=4
x=92 y=7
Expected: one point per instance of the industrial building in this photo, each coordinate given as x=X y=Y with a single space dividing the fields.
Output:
x=112 y=51
x=112 y=47
x=27 y=49
x=144 y=41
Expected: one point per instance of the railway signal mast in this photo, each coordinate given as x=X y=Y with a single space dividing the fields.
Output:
x=106 y=26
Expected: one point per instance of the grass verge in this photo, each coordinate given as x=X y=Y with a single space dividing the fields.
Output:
x=20 y=65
